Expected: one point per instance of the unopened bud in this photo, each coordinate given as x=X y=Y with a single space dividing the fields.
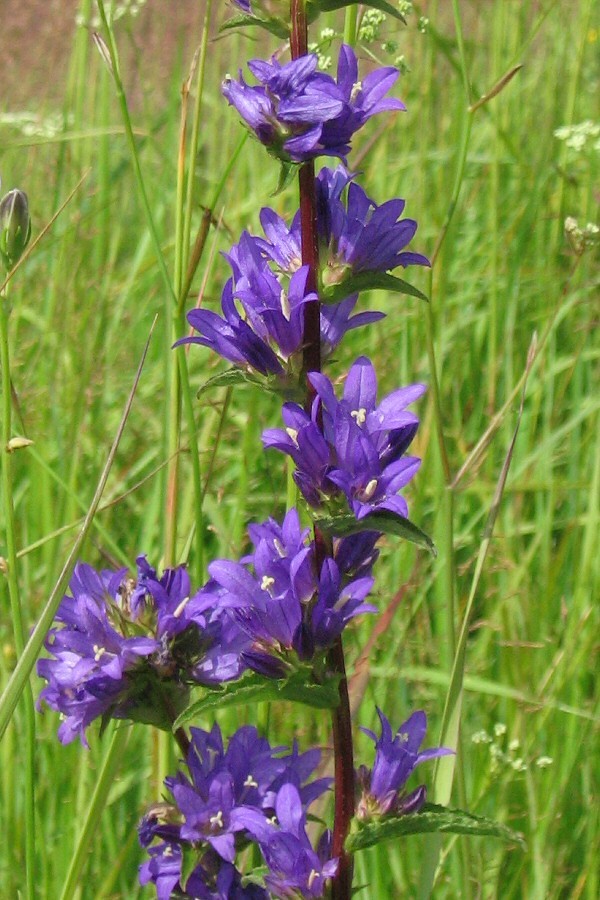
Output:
x=17 y=443
x=15 y=227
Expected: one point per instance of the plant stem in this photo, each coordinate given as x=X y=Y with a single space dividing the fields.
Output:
x=341 y=888
x=10 y=570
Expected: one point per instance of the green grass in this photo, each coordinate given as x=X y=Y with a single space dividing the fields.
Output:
x=83 y=305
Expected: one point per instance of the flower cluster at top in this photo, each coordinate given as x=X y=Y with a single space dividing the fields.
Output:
x=299 y=113
x=250 y=792
x=351 y=447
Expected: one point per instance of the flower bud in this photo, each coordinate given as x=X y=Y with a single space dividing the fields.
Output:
x=15 y=227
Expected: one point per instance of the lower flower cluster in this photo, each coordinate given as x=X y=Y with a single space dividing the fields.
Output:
x=249 y=793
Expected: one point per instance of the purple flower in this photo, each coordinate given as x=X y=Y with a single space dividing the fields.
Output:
x=268 y=333
x=94 y=662
x=276 y=597
x=295 y=869
x=395 y=758
x=126 y=643
x=211 y=879
x=356 y=235
x=300 y=113
x=228 y=798
x=358 y=450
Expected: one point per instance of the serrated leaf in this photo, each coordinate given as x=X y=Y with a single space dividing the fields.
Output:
x=385 y=521
x=269 y=23
x=431 y=819
x=319 y=696
x=230 y=378
x=370 y=281
x=316 y=7
x=254 y=689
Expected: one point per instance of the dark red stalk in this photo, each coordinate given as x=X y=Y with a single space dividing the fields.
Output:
x=341 y=718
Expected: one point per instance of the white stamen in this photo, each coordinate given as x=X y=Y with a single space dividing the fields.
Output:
x=286 y=309
x=293 y=434
x=356 y=89
x=370 y=489
x=360 y=415
x=181 y=607
x=280 y=548
x=312 y=877
x=250 y=782
x=216 y=821
x=98 y=652
x=267 y=582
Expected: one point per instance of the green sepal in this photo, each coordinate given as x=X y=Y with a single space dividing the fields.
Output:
x=254 y=688
x=385 y=521
x=369 y=281
x=270 y=23
x=430 y=819
x=190 y=857
x=316 y=7
x=287 y=173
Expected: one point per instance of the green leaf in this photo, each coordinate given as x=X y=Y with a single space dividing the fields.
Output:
x=315 y=7
x=369 y=281
x=385 y=521
x=270 y=23
x=230 y=378
x=287 y=173
x=320 y=696
x=432 y=818
x=255 y=689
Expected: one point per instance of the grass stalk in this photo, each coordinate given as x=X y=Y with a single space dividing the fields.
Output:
x=11 y=572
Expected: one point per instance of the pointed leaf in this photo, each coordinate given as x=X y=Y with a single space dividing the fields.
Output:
x=320 y=696
x=315 y=7
x=431 y=819
x=385 y=521
x=229 y=378
x=255 y=689
x=269 y=23
x=369 y=281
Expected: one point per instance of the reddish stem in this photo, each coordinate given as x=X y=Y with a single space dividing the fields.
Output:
x=341 y=718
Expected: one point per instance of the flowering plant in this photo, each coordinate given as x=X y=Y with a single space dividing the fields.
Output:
x=271 y=624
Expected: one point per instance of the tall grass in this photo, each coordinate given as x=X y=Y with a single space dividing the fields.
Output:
x=83 y=306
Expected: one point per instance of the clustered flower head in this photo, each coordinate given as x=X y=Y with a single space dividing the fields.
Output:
x=288 y=610
x=396 y=755
x=299 y=113
x=230 y=797
x=126 y=643
x=358 y=449
x=263 y=304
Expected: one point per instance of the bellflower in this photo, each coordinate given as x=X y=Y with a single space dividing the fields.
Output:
x=123 y=643
x=228 y=799
x=299 y=113
x=356 y=235
x=295 y=869
x=358 y=450
x=269 y=336
x=395 y=758
x=277 y=598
